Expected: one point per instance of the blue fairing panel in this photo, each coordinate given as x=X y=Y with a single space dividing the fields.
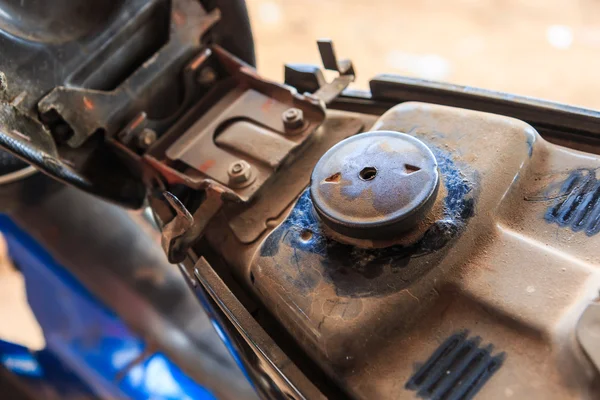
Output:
x=89 y=352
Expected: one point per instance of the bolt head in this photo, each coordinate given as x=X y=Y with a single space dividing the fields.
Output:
x=240 y=173
x=237 y=168
x=293 y=119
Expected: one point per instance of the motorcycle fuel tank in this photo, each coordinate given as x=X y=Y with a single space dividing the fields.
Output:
x=444 y=253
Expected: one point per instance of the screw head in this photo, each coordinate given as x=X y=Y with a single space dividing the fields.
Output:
x=240 y=173
x=293 y=119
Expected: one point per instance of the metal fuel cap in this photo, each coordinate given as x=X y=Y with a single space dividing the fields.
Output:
x=375 y=185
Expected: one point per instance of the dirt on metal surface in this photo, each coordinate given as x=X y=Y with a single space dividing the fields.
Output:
x=492 y=258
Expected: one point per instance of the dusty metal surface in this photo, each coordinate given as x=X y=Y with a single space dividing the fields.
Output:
x=588 y=332
x=457 y=369
x=562 y=124
x=247 y=123
x=248 y=223
x=267 y=355
x=485 y=258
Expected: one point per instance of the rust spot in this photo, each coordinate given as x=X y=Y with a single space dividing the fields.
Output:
x=89 y=105
x=335 y=178
x=266 y=107
x=206 y=165
x=172 y=177
x=306 y=235
x=197 y=62
x=140 y=118
x=178 y=18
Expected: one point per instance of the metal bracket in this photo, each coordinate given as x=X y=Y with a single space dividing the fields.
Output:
x=242 y=118
x=184 y=229
x=27 y=139
x=86 y=111
x=225 y=148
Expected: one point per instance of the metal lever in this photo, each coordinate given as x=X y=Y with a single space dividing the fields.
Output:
x=185 y=229
x=304 y=77
x=310 y=78
x=330 y=61
x=330 y=91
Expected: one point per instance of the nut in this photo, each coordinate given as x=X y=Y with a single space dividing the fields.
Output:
x=240 y=173
x=293 y=119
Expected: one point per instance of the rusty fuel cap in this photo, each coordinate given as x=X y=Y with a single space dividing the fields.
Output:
x=375 y=185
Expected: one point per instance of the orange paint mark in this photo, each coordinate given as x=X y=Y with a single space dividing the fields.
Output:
x=88 y=103
x=197 y=62
x=267 y=105
x=206 y=165
x=140 y=118
x=179 y=18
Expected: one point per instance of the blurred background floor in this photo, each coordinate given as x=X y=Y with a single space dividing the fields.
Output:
x=541 y=48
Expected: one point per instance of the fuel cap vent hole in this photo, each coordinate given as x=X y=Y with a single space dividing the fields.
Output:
x=368 y=173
